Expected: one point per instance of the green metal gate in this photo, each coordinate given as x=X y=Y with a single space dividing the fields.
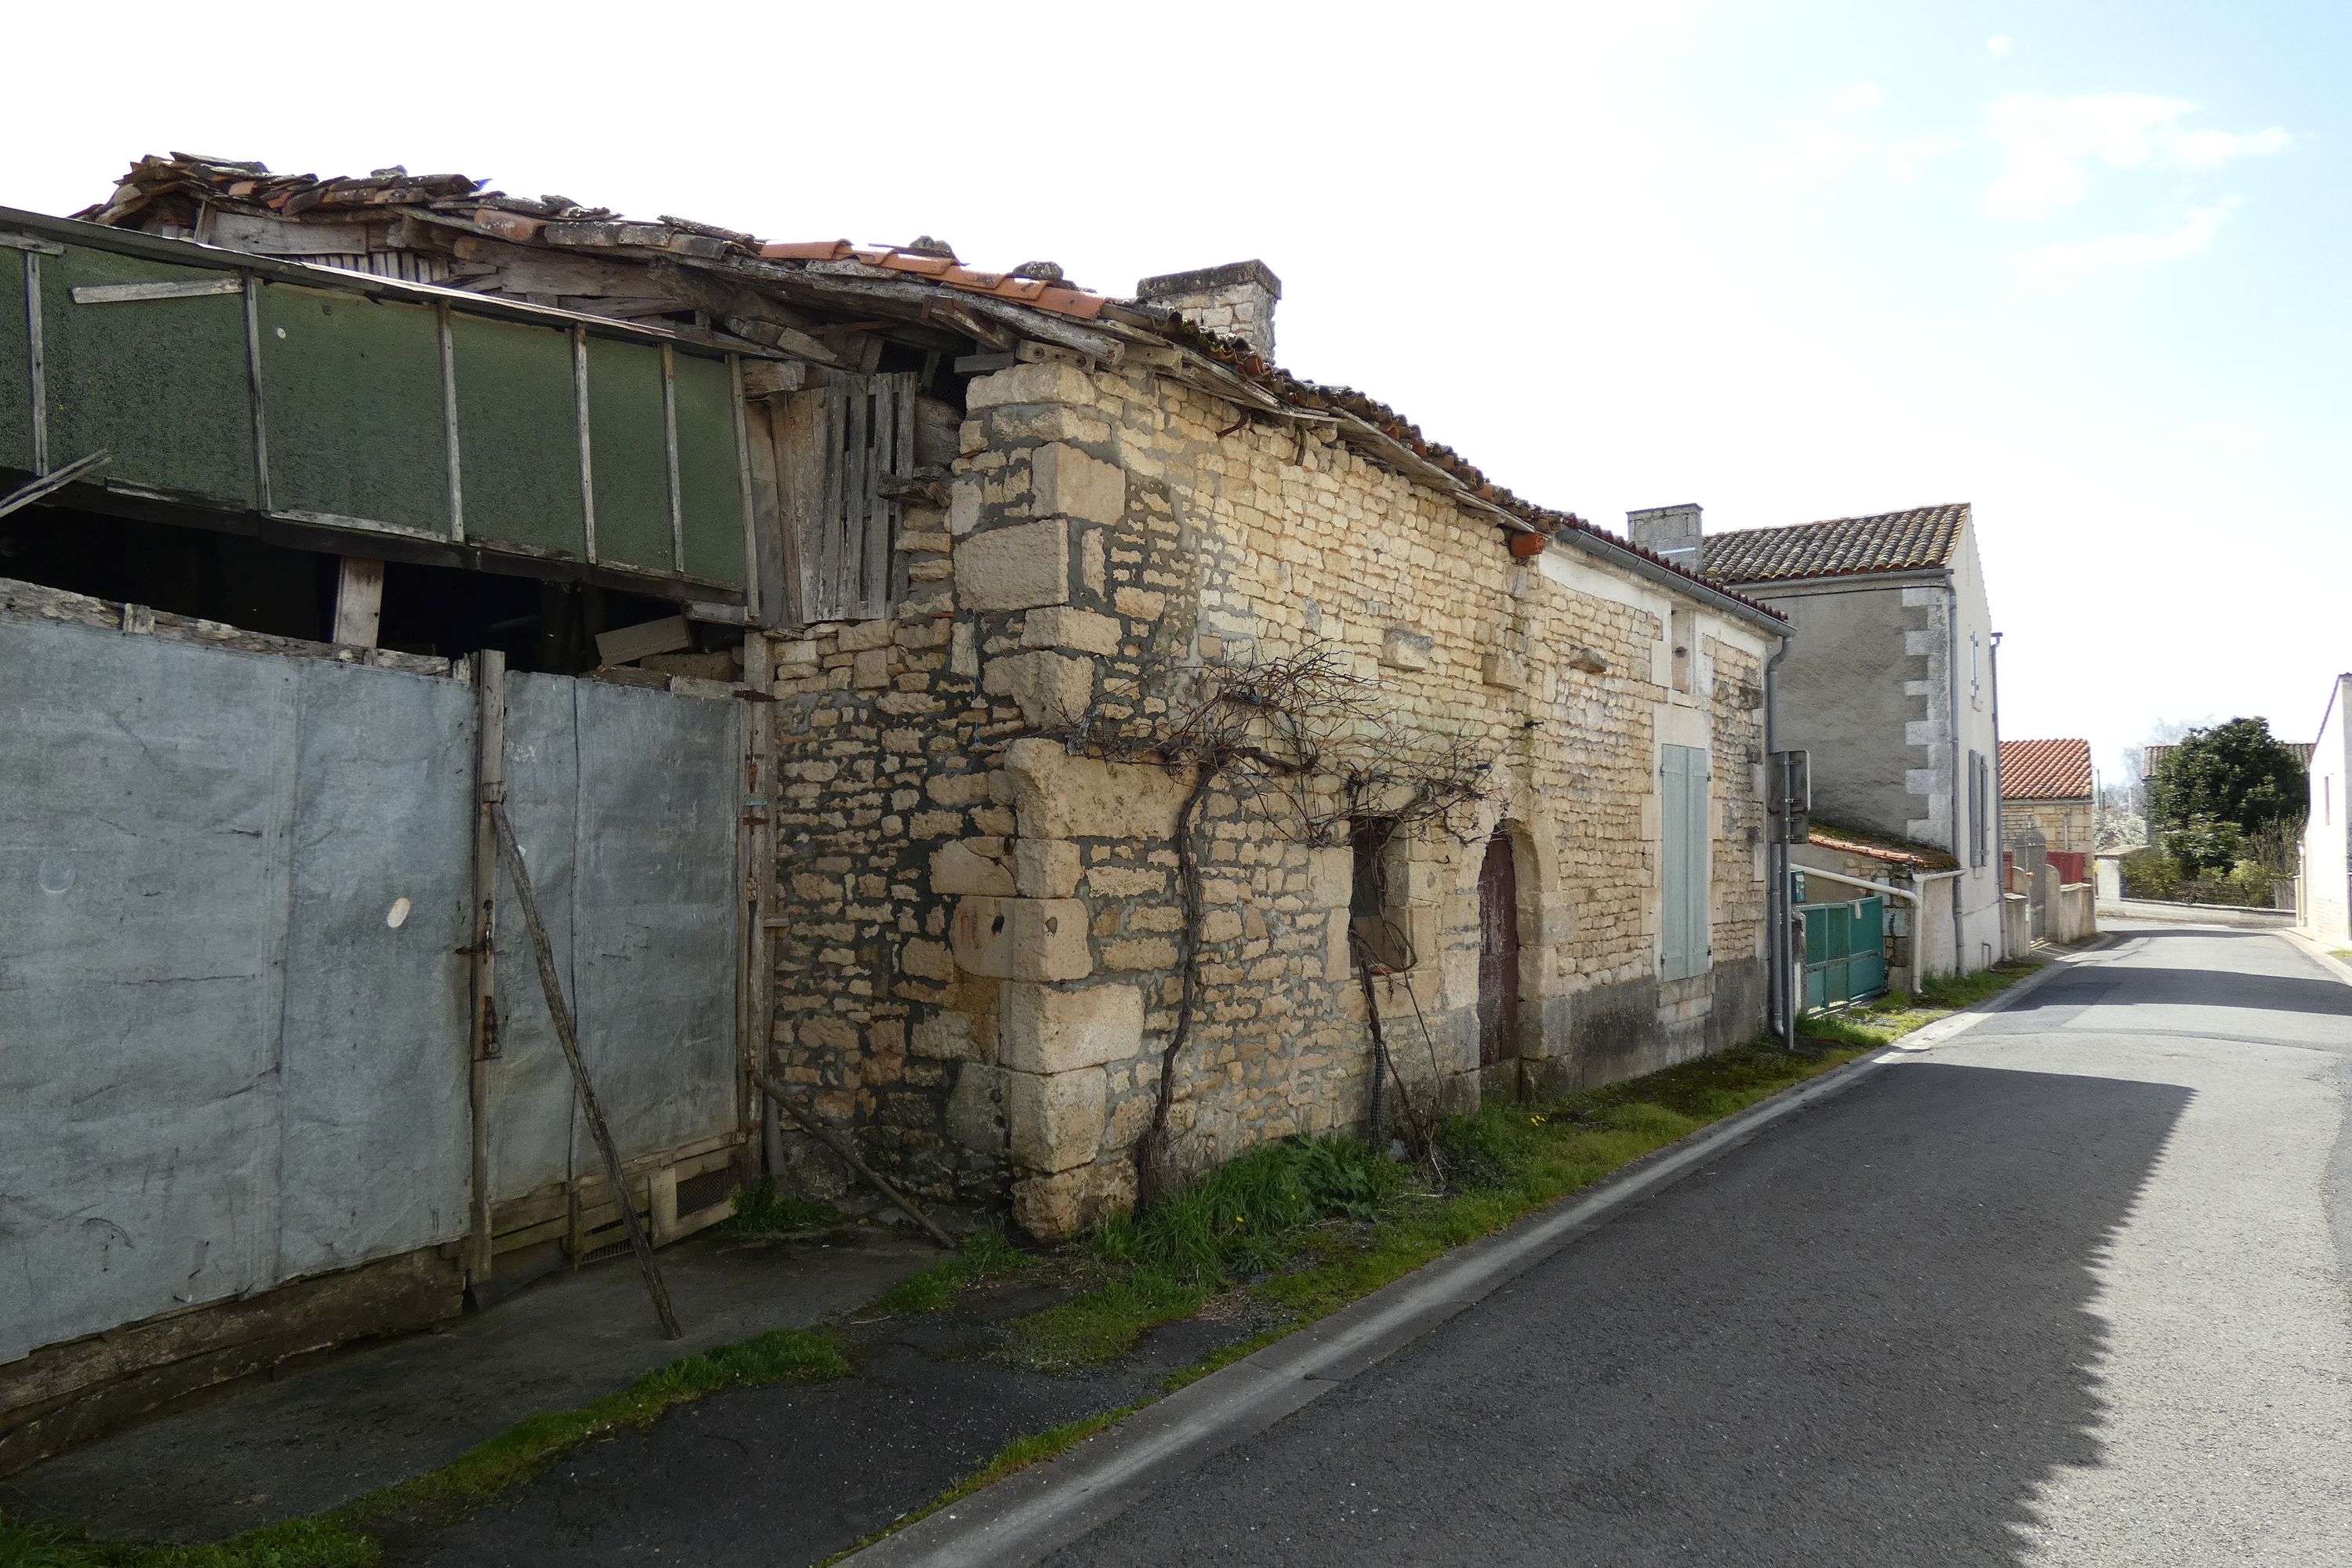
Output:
x=1845 y=951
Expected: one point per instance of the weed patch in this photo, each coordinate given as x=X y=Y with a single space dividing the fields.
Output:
x=296 y=1544
x=984 y=1255
x=761 y=1210
x=1886 y=1019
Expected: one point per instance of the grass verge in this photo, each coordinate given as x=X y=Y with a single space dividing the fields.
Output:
x=984 y=1256
x=761 y=1210
x=1886 y=1020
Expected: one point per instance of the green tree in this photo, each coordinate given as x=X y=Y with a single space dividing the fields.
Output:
x=2232 y=775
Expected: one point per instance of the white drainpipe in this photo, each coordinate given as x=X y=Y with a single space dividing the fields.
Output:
x=1910 y=898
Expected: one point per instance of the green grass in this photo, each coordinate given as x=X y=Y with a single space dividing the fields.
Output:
x=984 y=1255
x=1886 y=1019
x=761 y=1210
x=296 y=1544
x=2339 y=952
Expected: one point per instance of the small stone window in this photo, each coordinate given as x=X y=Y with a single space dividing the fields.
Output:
x=1376 y=929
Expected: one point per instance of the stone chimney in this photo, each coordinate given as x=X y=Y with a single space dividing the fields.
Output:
x=1235 y=299
x=1672 y=531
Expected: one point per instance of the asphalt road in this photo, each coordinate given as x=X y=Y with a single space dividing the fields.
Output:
x=2070 y=1287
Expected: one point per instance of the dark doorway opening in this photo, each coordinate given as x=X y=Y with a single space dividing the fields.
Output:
x=1499 y=965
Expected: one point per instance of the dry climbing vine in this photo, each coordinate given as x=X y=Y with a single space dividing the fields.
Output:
x=1307 y=746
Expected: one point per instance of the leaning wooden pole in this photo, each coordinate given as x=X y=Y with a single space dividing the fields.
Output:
x=490 y=788
x=807 y=1122
x=561 y=1014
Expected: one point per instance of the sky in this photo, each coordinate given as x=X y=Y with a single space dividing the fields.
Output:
x=2069 y=262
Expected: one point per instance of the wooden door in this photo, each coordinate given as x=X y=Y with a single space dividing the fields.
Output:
x=1498 y=954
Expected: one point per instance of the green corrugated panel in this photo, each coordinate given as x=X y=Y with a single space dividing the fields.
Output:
x=161 y=384
x=711 y=483
x=519 y=436
x=352 y=387
x=631 y=450
x=15 y=370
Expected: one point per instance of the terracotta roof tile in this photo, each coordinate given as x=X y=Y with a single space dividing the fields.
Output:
x=2046 y=770
x=1912 y=540
x=1879 y=846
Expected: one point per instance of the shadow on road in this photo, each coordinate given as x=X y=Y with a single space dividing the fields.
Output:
x=2269 y=976
x=1868 y=1338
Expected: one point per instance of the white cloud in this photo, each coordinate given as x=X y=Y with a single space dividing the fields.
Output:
x=2236 y=437
x=1854 y=100
x=2049 y=140
x=2055 y=265
x=2000 y=47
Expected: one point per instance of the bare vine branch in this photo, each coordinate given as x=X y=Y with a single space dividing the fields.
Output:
x=1304 y=744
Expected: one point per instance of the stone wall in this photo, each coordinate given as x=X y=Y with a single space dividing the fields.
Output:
x=2065 y=824
x=981 y=970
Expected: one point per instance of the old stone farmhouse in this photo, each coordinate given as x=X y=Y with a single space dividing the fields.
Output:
x=2049 y=789
x=1004 y=531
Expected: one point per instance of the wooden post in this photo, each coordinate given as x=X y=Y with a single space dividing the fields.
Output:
x=490 y=795
x=359 y=602
x=759 y=817
x=559 y=1013
x=806 y=1121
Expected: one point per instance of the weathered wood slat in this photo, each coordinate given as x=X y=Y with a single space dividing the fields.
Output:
x=831 y=538
x=857 y=495
x=874 y=579
x=903 y=462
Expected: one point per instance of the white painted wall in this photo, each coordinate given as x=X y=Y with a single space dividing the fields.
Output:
x=2327 y=842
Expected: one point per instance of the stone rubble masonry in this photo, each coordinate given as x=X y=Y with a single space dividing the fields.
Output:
x=979 y=969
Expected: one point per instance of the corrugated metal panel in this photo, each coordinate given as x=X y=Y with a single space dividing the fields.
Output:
x=709 y=479
x=161 y=384
x=627 y=435
x=352 y=387
x=518 y=435
x=16 y=365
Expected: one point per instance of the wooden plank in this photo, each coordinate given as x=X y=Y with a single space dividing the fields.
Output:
x=874 y=584
x=587 y=457
x=489 y=790
x=455 y=456
x=857 y=497
x=359 y=602
x=831 y=532
x=627 y=645
x=799 y=425
x=740 y=408
x=131 y=293
x=34 y=600
x=902 y=467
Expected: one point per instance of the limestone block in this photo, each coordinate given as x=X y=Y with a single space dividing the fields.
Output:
x=1505 y=669
x=945 y=1036
x=1067 y=483
x=975 y=1117
x=1045 y=867
x=1021 y=939
x=866 y=635
x=1015 y=568
x=1330 y=877
x=1051 y=688
x=1091 y=570
x=1058 y=795
x=1059 y=625
x=956 y=868
x=926 y=960
x=1403 y=649
x=964 y=505
x=1338 y=958
x=1050 y=1029
x=1058 y=1207
x=1054 y=1119
x=870 y=671
x=1048 y=383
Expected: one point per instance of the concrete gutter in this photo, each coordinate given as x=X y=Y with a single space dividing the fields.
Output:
x=1029 y=1516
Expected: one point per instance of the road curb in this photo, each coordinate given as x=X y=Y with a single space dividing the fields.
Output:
x=2310 y=948
x=1030 y=1514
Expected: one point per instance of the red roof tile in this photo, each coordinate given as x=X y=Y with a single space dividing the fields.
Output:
x=2045 y=769
x=1920 y=539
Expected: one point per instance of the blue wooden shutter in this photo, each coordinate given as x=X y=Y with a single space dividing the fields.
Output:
x=1687 y=852
x=1674 y=819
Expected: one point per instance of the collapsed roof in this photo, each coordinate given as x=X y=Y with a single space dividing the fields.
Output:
x=828 y=303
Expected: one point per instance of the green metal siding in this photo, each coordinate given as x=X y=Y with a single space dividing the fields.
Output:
x=1845 y=951
x=351 y=390
x=519 y=436
x=709 y=477
x=161 y=384
x=15 y=367
x=630 y=445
